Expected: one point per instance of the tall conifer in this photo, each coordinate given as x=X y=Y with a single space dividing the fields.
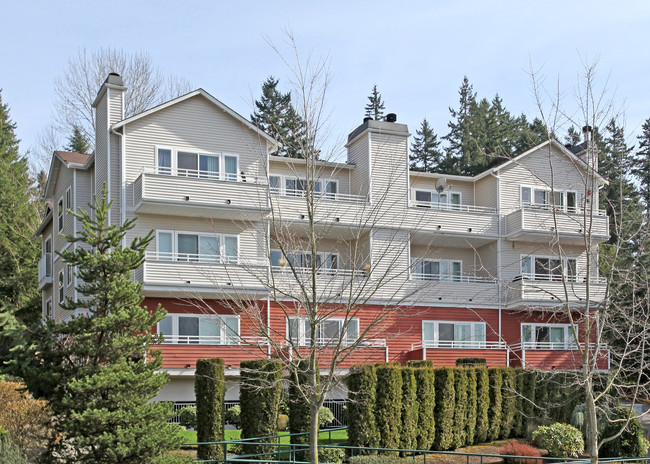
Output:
x=375 y=107
x=77 y=142
x=425 y=154
x=641 y=167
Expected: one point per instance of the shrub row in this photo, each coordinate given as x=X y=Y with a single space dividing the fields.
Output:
x=210 y=390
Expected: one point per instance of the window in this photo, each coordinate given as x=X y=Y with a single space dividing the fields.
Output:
x=548 y=268
x=436 y=200
x=69 y=274
x=446 y=334
x=275 y=184
x=194 y=164
x=188 y=246
x=547 y=337
x=60 y=211
x=443 y=270
x=329 y=331
x=200 y=329
x=325 y=261
x=47 y=254
x=164 y=163
x=61 y=287
x=563 y=200
x=68 y=199
x=48 y=309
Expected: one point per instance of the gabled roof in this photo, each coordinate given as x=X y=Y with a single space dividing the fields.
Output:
x=211 y=99
x=72 y=157
x=71 y=160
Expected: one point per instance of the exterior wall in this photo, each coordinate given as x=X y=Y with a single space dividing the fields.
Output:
x=101 y=146
x=486 y=192
x=359 y=155
x=465 y=188
x=294 y=168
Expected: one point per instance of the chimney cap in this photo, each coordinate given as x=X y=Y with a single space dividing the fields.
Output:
x=114 y=79
x=367 y=118
x=391 y=117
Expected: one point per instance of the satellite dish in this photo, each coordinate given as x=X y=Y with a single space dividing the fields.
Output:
x=441 y=184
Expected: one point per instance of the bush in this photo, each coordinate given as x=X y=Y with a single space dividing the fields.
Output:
x=632 y=443
x=283 y=422
x=518 y=424
x=444 y=410
x=460 y=412
x=519 y=449
x=187 y=417
x=9 y=451
x=528 y=392
x=388 y=409
x=509 y=402
x=472 y=400
x=261 y=387
x=410 y=406
x=482 y=405
x=471 y=362
x=560 y=440
x=299 y=411
x=362 y=428
x=426 y=395
x=233 y=415
x=426 y=363
x=330 y=455
x=378 y=459
x=325 y=416
x=210 y=390
x=496 y=408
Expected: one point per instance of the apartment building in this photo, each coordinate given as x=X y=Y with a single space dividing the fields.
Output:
x=451 y=266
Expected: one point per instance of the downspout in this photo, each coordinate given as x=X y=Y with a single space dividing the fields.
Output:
x=499 y=282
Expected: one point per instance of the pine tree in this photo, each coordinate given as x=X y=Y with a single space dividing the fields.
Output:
x=77 y=142
x=572 y=136
x=529 y=135
x=425 y=154
x=375 y=107
x=641 y=167
x=276 y=116
x=459 y=138
x=99 y=373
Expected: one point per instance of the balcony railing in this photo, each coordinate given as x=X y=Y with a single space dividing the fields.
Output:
x=191 y=257
x=566 y=209
x=460 y=344
x=452 y=278
x=320 y=195
x=453 y=207
x=558 y=278
x=287 y=270
x=563 y=345
x=196 y=173
x=45 y=270
x=213 y=340
x=336 y=341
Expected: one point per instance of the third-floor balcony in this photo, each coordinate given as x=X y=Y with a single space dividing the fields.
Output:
x=45 y=270
x=553 y=290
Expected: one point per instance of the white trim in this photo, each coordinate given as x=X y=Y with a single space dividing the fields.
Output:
x=535 y=345
x=301 y=340
x=108 y=149
x=60 y=286
x=69 y=274
x=473 y=343
x=176 y=338
x=60 y=215
x=175 y=254
x=45 y=312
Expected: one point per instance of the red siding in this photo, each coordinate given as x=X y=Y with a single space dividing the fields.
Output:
x=180 y=356
x=558 y=359
x=446 y=357
x=363 y=355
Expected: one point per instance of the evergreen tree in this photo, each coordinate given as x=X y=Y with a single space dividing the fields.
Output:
x=459 y=137
x=276 y=116
x=99 y=373
x=375 y=107
x=641 y=167
x=77 y=142
x=572 y=136
x=529 y=134
x=425 y=154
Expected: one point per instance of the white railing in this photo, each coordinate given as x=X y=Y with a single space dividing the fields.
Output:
x=198 y=174
x=320 y=195
x=452 y=278
x=213 y=340
x=549 y=346
x=559 y=278
x=45 y=268
x=336 y=341
x=191 y=258
x=460 y=344
x=137 y=190
x=320 y=271
x=563 y=209
x=453 y=207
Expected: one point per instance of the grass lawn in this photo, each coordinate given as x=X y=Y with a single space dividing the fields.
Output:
x=189 y=436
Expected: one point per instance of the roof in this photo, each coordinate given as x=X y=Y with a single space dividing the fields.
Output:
x=72 y=157
x=211 y=99
x=71 y=160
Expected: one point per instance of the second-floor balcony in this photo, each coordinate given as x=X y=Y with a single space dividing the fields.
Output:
x=540 y=223
x=425 y=288
x=188 y=192
x=558 y=355
x=45 y=271
x=553 y=290
x=446 y=352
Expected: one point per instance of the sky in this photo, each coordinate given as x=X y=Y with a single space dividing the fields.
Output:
x=415 y=52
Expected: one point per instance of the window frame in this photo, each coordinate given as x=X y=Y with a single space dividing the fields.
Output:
x=48 y=259
x=60 y=215
x=551 y=277
x=446 y=205
x=441 y=277
x=436 y=342
x=566 y=345
x=49 y=309
x=69 y=275
x=61 y=286
x=321 y=192
x=174 y=169
x=549 y=200
x=174 y=255
x=224 y=338
x=68 y=199
x=302 y=340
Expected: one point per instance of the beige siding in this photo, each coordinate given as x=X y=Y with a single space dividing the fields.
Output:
x=101 y=146
x=83 y=190
x=466 y=255
x=466 y=189
x=511 y=256
x=486 y=192
x=487 y=261
x=322 y=173
x=63 y=181
x=389 y=171
x=358 y=154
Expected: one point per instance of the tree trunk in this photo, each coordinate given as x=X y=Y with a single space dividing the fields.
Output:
x=313 y=433
x=592 y=423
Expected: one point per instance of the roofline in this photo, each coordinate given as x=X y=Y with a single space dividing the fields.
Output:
x=55 y=157
x=210 y=98
x=438 y=175
x=102 y=91
x=46 y=220
x=332 y=164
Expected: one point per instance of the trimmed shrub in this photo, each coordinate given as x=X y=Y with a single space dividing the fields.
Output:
x=519 y=449
x=378 y=459
x=444 y=410
x=410 y=408
x=210 y=390
x=362 y=428
x=426 y=395
x=528 y=392
x=632 y=443
x=299 y=410
x=496 y=408
x=388 y=409
x=426 y=363
x=560 y=440
x=283 y=422
x=261 y=387
x=472 y=406
x=471 y=362
x=330 y=455
x=460 y=412
x=482 y=405
x=187 y=417
x=325 y=416
x=9 y=451
x=509 y=402
x=518 y=424
x=233 y=415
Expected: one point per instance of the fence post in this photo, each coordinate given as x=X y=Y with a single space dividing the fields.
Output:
x=225 y=452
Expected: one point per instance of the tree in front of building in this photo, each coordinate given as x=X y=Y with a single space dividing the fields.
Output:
x=97 y=370
x=425 y=153
x=375 y=107
x=77 y=141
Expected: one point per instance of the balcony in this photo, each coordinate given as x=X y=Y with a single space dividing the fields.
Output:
x=557 y=355
x=534 y=223
x=369 y=351
x=549 y=290
x=290 y=204
x=445 y=353
x=182 y=352
x=44 y=271
x=198 y=194
x=451 y=289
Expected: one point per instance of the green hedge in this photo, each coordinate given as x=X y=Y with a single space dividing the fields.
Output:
x=362 y=385
x=460 y=412
x=496 y=408
x=426 y=394
x=427 y=363
x=471 y=362
x=444 y=410
x=509 y=402
x=631 y=443
x=261 y=388
x=528 y=392
x=210 y=390
x=299 y=410
x=482 y=405
x=410 y=409
x=388 y=409
x=472 y=407
x=518 y=423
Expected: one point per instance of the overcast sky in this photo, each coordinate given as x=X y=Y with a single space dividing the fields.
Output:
x=416 y=52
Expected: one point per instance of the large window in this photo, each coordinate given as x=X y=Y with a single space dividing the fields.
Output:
x=296 y=187
x=61 y=217
x=49 y=312
x=548 y=268
x=330 y=331
x=433 y=199
x=446 y=334
x=193 y=164
x=325 y=261
x=68 y=199
x=539 y=197
x=547 y=337
x=200 y=329
x=437 y=269
x=189 y=246
x=47 y=254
